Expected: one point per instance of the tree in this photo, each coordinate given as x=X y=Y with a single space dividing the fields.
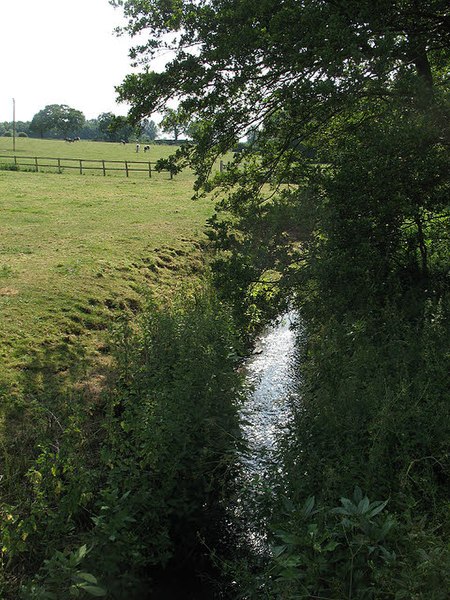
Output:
x=149 y=129
x=57 y=120
x=171 y=123
x=90 y=130
x=337 y=67
x=114 y=128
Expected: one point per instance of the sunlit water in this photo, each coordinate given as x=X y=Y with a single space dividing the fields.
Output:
x=271 y=380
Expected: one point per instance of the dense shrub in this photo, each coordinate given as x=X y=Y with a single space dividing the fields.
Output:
x=172 y=441
x=113 y=499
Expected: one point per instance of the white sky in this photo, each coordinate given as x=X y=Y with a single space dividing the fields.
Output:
x=61 y=52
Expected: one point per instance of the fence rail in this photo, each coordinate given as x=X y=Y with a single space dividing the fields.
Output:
x=82 y=164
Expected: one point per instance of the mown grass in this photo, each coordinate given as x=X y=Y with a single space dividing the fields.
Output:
x=82 y=149
x=74 y=249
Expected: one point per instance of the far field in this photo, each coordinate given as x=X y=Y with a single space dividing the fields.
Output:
x=77 y=249
x=86 y=150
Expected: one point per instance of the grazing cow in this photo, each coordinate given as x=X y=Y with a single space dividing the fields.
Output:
x=77 y=139
x=138 y=147
x=69 y=139
x=146 y=148
x=123 y=142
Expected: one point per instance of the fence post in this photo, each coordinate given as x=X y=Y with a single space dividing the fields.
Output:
x=36 y=163
x=126 y=167
x=104 y=170
x=59 y=165
x=15 y=159
x=171 y=174
x=81 y=167
x=149 y=169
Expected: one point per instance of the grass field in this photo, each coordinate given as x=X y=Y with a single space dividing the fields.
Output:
x=76 y=248
x=82 y=149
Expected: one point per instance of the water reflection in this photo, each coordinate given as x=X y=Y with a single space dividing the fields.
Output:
x=270 y=377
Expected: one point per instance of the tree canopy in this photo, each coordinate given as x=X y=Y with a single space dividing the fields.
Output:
x=237 y=62
x=57 y=119
x=314 y=78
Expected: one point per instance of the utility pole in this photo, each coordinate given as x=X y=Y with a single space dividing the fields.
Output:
x=14 y=124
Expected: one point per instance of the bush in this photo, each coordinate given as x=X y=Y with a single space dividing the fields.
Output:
x=149 y=491
x=172 y=441
x=334 y=553
x=22 y=134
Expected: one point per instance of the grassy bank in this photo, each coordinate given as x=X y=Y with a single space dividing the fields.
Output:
x=75 y=248
x=117 y=426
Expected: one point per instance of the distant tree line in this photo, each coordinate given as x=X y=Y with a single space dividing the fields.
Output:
x=57 y=121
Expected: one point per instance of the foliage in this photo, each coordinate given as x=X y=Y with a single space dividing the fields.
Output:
x=58 y=120
x=61 y=577
x=170 y=124
x=169 y=164
x=172 y=441
x=141 y=479
x=149 y=130
x=339 y=552
x=340 y=204
x=114 y=128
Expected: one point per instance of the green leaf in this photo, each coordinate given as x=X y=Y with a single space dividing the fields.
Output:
x=332 y=545
x=348 y=505
x=290 y=538
x=93 y=590
x=363 y=505
x=81 y=552
x=278 y=550
x=308 y=506
x=86 y=577
x=376 y=507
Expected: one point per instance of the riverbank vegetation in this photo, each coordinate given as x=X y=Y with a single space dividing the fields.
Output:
x=80 y=258
x=116 y=491
x=339 y=205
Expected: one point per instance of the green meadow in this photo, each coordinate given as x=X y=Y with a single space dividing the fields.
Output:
x=86 y=150
x=76 y=250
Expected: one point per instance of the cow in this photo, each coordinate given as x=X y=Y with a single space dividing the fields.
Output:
x=146 y=148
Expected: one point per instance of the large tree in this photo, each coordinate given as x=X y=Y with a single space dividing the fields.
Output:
x=315 y=74
x=171 y=123
x=114 y=128
x=149 y=129
x=58 y=120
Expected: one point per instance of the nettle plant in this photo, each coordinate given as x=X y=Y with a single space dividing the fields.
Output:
x=62 y=576
x=339 y=552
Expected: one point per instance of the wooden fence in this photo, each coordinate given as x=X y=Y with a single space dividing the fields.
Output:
x=81 y=164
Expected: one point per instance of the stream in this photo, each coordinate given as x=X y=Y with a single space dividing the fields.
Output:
x=271 y=381
x=266 y=413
